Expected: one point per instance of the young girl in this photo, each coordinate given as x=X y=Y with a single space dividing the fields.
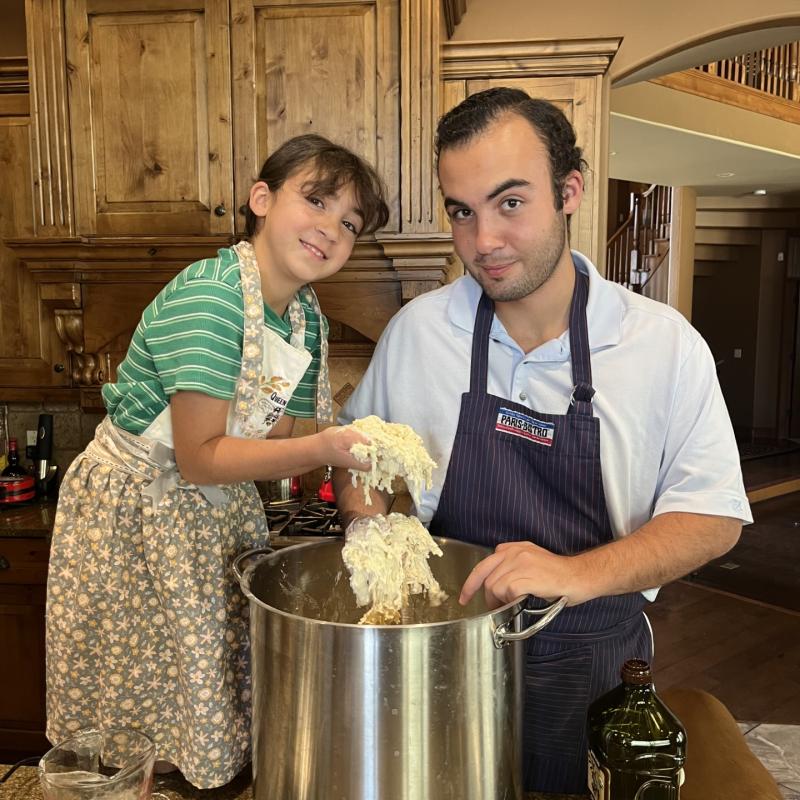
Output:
x=146 y=626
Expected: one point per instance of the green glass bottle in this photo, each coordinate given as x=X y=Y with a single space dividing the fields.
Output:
x=637 y=746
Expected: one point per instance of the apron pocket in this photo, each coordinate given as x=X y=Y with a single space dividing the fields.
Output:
x=557 y=692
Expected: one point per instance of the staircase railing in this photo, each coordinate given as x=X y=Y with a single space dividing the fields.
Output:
x=775 y=70
x=640 y=245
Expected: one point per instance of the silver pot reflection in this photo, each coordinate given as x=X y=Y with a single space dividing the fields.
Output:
x=428 y=709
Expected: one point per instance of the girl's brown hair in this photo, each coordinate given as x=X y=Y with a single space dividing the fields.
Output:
x=335 y=167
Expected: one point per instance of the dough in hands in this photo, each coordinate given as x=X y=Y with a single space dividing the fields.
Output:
x=387 y=558
x=394 y=449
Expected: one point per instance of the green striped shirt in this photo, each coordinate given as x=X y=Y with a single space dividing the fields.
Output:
x=190 y=339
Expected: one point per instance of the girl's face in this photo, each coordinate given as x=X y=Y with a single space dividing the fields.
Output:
x=303 y=237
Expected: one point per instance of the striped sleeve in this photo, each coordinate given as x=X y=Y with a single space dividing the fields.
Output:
x=195 y=339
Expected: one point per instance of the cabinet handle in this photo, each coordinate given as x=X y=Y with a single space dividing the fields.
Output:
x=4 y=563
x=58 y=368
x=220 y=211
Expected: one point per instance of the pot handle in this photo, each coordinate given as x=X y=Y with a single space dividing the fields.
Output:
x=242 y=557
x=503 y=634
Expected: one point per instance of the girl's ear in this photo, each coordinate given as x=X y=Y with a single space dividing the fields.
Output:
x=260 y=199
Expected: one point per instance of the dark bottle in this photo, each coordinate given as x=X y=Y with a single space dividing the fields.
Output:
x=13 y=468
x=637 y=746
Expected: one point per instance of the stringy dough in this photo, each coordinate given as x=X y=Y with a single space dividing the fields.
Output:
x=394 y=449
x=387 y=558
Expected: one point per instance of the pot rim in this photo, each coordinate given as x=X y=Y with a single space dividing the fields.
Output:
x=244 y=585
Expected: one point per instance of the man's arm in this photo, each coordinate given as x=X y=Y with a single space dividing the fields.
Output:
x=664 y=549
x=350 y=499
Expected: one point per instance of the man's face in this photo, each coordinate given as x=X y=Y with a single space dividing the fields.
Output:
x=498 y=194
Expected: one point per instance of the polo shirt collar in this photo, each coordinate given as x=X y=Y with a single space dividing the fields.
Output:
x=604 y=309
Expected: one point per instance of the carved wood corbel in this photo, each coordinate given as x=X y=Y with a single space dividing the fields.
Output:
x=421 y=262
x=64 y=299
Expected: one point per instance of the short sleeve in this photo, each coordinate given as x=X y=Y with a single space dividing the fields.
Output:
x=700 y=470
x=195 y=339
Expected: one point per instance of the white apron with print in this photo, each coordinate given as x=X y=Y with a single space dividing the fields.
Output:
x=146 y=625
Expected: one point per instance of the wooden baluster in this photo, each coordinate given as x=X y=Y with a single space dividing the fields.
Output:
x=784 y=51
x=669 y=214
x=773 y=70
x=794 y=72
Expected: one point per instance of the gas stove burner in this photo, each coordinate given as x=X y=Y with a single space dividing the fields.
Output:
x=303 y=518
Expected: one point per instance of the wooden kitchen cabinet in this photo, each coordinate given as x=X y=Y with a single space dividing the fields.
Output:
x=302 y=67
x=31 y=354
x=23 y=583
x=150 y=116
x=164 y=134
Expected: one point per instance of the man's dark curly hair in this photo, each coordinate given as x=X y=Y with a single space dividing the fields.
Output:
x=475 y=114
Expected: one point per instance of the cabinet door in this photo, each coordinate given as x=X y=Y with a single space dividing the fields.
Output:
x=149 y=95
x=23 y=574
x=304 y=67
x=578 y=97
x=31 y=353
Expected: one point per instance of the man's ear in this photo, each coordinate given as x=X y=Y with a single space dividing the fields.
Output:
x=572 y=192
x=260 y=199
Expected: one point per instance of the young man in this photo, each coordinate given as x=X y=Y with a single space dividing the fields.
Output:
x=579 y=428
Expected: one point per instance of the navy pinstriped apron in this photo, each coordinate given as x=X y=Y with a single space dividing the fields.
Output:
x=521 y=475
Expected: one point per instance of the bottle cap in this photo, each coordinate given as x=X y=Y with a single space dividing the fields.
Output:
x=637 y=672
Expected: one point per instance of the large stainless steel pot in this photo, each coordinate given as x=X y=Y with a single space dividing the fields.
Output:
x=430 y=710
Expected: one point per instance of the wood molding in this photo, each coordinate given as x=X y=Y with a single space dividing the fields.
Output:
x=14 y=75
x=514 y=57
x=41 y=394
x=351 y=350
x=420 y=263
x=50 y=150
x=453 y=11
x=712 y=87
x=420 y=68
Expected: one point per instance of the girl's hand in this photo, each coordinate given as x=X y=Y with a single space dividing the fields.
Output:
x=336 y=443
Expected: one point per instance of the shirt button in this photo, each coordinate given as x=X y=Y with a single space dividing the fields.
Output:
x=523 y=396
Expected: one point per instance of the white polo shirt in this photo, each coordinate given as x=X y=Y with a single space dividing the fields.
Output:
x=666 y=440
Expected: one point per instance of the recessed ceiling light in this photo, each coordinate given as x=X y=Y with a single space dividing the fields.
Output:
x=759 y=191
x=725 y=174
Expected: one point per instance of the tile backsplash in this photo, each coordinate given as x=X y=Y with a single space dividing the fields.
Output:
x=73 y=429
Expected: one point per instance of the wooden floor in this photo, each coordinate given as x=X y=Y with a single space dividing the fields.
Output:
x=744 y=653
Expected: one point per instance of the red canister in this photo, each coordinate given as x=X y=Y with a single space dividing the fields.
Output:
x=17 y=489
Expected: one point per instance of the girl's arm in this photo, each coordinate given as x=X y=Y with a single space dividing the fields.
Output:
x=205 y=455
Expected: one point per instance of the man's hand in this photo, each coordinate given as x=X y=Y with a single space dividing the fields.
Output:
x=664 y=549
x=516 y=569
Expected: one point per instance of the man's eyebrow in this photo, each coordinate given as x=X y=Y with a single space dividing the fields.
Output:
x=509 y=184
x=451 y=201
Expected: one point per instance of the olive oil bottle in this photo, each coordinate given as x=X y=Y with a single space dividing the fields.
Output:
x=637 y=746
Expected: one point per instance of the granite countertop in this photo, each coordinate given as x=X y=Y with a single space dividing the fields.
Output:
x=34 y=520
x=24 y=785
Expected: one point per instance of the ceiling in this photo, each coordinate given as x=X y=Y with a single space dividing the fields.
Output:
x=720 y=47
x=656 y=153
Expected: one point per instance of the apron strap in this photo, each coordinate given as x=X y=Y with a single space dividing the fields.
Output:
x=580 y=401
x=479 y=366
